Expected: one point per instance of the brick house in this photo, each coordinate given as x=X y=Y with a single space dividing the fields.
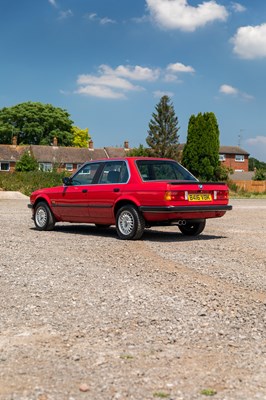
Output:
x=234 y=157
x=64 y=158
x=70 y=158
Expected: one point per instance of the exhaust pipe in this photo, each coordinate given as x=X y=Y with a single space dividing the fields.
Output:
x=181 y=222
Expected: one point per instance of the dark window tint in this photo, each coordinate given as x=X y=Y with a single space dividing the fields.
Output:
x=152 y=170
x=114 y=172
x=86 y=174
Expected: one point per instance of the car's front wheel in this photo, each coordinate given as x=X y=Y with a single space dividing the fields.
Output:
x=192 y=228
x=43 y=217
x=130 y=224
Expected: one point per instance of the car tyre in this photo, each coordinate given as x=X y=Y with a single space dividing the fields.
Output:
x=130 y=224
x=192 y=228
x=43 y=217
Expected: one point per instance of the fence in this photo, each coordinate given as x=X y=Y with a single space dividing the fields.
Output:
x=252 y=186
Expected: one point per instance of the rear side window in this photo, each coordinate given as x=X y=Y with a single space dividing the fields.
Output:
x=114 y=172
x=152 y=170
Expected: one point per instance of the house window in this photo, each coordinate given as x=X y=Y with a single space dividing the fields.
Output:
x=69 y=167
x=221 y=157
x=45 y=167
x=239 y=158
x=4 y=166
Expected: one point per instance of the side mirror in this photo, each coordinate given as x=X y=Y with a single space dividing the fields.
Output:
x=67 y=181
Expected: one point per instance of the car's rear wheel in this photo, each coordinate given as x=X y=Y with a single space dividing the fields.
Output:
x=192 y=228
x=130 y=224
x=43 y=217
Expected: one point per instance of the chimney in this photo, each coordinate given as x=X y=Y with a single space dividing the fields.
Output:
x=55 y=142
x=14 y=140
x=91 y=145
x=126 y=145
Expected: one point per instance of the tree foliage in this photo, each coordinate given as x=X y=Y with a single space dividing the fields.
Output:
x=201 y=152
x=27 y=163
x=35 y=123
x=81 y=137
x=254 y=163
x=163 y=127
x=140 y=151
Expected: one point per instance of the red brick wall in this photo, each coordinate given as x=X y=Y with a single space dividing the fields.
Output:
x=230 y=162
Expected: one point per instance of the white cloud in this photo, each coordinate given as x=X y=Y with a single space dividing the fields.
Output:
x=238 y=7
x=53 y=2
x=136 y=73
x=178 y=67
x=107 y=81
x=100 y=91
x=257 y=147
x=116 y=82
x=178 y=14
x=232 y=91
x=161 y=93
x=227 y=89
x=260 y=140
x=250 y=42
x=101 y=21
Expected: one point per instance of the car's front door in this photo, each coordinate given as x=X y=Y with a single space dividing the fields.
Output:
x=72 y=204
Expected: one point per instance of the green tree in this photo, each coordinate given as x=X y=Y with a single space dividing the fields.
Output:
x=163 y=127
x=27 y=163
x=140 y=151
x=81 y=137
x=201 y=152
x=254 y=163
x=35 y=123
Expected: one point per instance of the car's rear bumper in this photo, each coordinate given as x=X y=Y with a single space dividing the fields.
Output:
x=184 y=209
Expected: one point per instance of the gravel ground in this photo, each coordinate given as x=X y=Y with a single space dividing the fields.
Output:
x=85 y=315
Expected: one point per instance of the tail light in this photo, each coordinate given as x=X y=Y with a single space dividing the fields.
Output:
x=176 y=195
x=221 y=194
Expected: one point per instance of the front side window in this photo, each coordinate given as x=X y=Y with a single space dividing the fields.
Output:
x=239 y=158
x=4 y=166
x=114 y=172
x=221 y=157
x=153 y=170
x=86 y=175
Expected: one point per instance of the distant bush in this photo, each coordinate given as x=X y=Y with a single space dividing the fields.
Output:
x=27 y=182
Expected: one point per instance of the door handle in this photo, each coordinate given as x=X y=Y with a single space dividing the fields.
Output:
x=116 y=190
x=84 y=190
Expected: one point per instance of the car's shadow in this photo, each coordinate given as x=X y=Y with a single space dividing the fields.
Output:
x=154 y=235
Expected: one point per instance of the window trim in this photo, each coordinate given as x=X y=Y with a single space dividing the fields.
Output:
x=43 y=166
x=240 y=156
x=7 y=163
x=69 y=169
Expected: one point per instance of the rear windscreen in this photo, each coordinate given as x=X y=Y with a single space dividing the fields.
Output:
x=152 y=170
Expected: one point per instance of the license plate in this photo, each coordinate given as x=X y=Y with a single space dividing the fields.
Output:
x=200 y=197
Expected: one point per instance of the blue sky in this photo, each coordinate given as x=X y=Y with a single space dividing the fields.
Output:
x=108 y=62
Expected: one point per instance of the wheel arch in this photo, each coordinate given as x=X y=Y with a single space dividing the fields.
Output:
x=42 y=199
x=124 y=202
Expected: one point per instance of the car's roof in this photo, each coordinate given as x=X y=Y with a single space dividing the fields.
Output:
x=132 y=158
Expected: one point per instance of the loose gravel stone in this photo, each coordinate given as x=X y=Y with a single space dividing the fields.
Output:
x=86 y=315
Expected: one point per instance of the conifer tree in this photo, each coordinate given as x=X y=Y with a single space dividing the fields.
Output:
x=163 y=127
x=201 y=152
